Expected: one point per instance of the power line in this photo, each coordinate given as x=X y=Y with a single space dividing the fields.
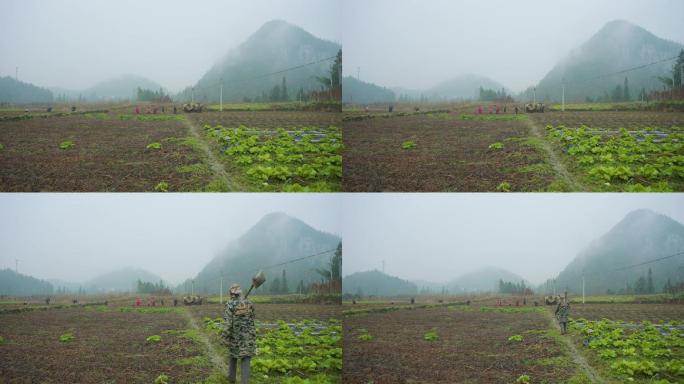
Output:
x=269 y=74
x=623 y=71
x=639 y=264
x=280 y=264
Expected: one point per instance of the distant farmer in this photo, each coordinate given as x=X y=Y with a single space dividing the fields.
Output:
x=138 y=302
x=73 y=108
x=137 y=110
x=174 y=109
x=47 y=300
x=239 y=333
x=391 y=108
x=175 y=301
x=504 y=109
x=162 y=109
x=479 y=110
x=562 y=313
x=516 y=109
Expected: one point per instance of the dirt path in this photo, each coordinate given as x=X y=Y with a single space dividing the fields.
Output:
x=555 y=162
x=215 y=357
x=214 y=164
x=577 y=357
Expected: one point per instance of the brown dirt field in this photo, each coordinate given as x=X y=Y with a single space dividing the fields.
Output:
x=610 y=119
x=472 y=347
x=108 y=347
x=628 y=312
x=267 y=119
x=450 y=155
x=272 y=312
x=109 y=155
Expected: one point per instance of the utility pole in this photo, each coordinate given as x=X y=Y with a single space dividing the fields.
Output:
x=582 y=289
x=358 y=73
x=563 y=97
x=221 y=96
x=221 y=290
x=193 y=95
x=193 y=288
x=534 y=96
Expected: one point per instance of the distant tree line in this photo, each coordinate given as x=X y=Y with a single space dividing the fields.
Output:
x=152 y=288
x=492 y=95
x=514 y=288
x=153 y=96
x=331 y=279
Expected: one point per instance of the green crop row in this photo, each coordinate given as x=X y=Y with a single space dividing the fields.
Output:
x=642 y=160
x=303 y=160
x=628 y=351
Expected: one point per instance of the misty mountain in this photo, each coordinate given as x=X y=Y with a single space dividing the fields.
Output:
x=276 y=46
x=377 y=283
x=464 y=87
x=123 y=87
x=18 y=92
x=275 y=239
x=360 y=92
x=482 y=280
x=120 y=280
x=640 y=236
x=16 y=284
x=617 y=46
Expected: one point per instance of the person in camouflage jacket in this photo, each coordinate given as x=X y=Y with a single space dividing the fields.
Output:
x=239 y=333
x=562 y=313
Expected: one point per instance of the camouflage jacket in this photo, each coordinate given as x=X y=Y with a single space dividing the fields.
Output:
x=562 y=312
x=239 y=330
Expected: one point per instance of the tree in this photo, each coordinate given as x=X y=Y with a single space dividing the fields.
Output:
x=667 y=288
x=300 y=287
x=275 y=93
x=275 y=286
x=649 y=286
x=640 y=285
x=625 y=91
x=677 y=70
x=617 y=94
x=283 y=284
x=283 y=91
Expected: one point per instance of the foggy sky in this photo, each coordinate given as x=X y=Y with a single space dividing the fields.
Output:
x=438 y=237
x=77 y=43
x=418 y=43
x=75 y=237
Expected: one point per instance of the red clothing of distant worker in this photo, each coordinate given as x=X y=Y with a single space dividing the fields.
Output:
x=137 y=302
x=137 y=110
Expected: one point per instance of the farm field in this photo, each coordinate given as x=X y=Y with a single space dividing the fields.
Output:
x=460 y=152
x=443 y=152
x=115 y=343
x=118 y=151
x=485 y=342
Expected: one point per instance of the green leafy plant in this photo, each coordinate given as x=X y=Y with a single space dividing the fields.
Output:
x=410 y=144
x=153 y=339
x=431 y=336
x=504 y=187
x=522 y=379
x=161 y=379
x=516 y=338
x=154 y=145
x=66 y=144
x=163 y=186
x=496 y=145
x=67 y=337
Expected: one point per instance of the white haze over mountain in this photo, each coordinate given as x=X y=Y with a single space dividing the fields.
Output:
x=439 y=237
x=75 y=237
x=74 y=44
x=416 y=44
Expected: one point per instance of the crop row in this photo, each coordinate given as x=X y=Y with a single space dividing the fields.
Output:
x=307 y=159
x=640 y=160
x=636 y=351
